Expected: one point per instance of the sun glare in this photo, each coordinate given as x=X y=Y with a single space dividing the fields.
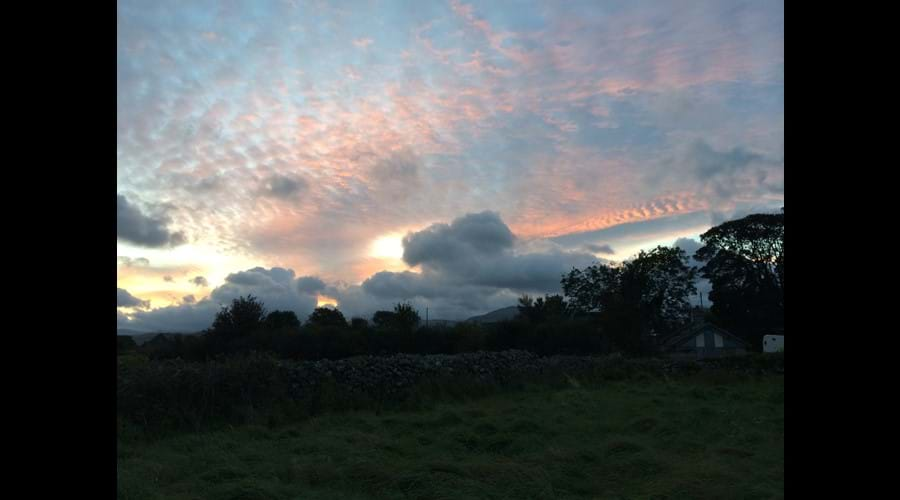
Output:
x=323 y=300
x=389 y=246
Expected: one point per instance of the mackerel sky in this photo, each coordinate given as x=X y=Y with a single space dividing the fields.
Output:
x=447 y=153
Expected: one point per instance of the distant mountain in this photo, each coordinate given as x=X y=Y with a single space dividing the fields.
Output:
x=497 y=316
x=129 y=332
x=142 y=337
x=439 y=322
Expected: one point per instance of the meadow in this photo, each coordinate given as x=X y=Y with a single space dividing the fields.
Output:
x=706 y=436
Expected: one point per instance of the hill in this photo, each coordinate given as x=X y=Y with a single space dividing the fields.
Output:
x=142 y=337
x=497 y=316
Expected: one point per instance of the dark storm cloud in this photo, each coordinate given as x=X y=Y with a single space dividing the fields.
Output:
x=135 y=227
x=125 y=299
x=402 y=285
x=471 y=260
x=310 y=284
x=468 y=237
x=188 y=299
x=275 y=287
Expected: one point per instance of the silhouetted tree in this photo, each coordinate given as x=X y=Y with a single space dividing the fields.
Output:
x=646 y=295
x=745 y=266
x=359 y=323
x=543 y=308
x=245 y=315
x=325 y=316
x=405 y=317
x=383 y=319
x=277 y=320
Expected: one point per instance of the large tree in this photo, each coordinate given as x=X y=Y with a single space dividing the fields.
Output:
x=644 y=296
x=324 y=316
x=744 y=262
x=245 y=315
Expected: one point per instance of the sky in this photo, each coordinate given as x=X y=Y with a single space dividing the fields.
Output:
x=451 y=154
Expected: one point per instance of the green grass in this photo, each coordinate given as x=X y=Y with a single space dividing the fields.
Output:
x=685 y=439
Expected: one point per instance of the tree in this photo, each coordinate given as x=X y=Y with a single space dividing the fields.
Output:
x=383 y=319
x=543 y=308
x=644 y=296
x=405 y=317
x=744 y=262
x=244 y=316
x=324 y=316
x=277 y=320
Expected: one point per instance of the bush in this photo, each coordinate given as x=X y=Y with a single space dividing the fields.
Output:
x=177 y=394
x=180 y=394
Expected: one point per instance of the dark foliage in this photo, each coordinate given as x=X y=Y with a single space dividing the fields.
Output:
x=325 y=316
x=643 y=297
x=745 y=265
x=124 y=343
x=605 y=309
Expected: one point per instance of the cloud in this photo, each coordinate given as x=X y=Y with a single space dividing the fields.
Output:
x=442 y=246
x=199 y=281
x=486 y=268
x=275 y=287
x=707 y=162
x=605 y=249
x=129 y=262
x=398 y=176
x=184 y=318
x=125 y=299
x=310 y=284
x=550 y=116
x=284 y=186
x=135 y=227
x=689 y=245
x=473 y=258
x=628 y=233
x=168 y=279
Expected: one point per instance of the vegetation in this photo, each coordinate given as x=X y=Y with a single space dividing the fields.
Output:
x=257 y=406
x=605 y=308
x=644 y=296
x=694 y=438
x=745 y=264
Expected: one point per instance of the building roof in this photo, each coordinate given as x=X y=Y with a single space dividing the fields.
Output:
x=692 y=330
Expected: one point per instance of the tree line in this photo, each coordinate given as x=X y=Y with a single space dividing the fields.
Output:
x=604 y=308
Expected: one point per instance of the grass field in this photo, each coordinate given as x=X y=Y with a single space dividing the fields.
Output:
x=685 y=439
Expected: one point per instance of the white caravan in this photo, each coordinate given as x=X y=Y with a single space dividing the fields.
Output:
x=773 y=343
